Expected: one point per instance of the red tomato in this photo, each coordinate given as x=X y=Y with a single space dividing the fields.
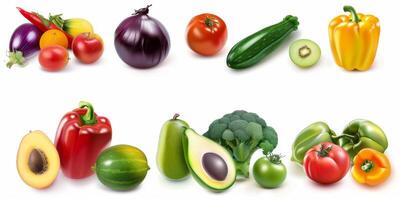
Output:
x=206 y=34
x=53 y=58
x=87 y=48
x=326 y=163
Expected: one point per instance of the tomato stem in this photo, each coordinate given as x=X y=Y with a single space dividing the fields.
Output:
x=209 y=22
x=324 y=152
x=274 y=158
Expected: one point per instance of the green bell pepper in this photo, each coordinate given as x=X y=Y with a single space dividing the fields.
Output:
x=360 y=134
x=310 y=136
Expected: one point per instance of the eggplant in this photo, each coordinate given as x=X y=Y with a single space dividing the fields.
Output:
x=24 y=43
x=141 y=41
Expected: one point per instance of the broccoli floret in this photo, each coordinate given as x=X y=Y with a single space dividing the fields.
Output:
x=242 y=133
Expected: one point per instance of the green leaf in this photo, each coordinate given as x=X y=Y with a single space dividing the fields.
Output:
x=15 y=58
x=45 y=21
x=57 y=20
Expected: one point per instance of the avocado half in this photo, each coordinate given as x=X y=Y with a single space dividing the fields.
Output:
x=210 y=164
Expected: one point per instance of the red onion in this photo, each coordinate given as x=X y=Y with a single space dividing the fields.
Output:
x=141 y=41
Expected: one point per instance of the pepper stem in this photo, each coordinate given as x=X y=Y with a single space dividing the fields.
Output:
x=367 y=166
x=344 y=135
x=353 y=13
x=88 y=118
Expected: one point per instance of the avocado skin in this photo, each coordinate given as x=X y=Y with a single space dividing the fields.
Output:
x=170 y=157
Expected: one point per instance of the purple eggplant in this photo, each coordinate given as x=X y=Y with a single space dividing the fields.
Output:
x=24 y=43
x=141 y=41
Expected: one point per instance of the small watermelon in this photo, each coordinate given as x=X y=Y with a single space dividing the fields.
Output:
x=121 y=167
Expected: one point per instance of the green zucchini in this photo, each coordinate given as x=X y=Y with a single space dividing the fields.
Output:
x=121 y=167
x=257 y=46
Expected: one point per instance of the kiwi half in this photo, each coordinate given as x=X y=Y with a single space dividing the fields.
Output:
x=304 y=53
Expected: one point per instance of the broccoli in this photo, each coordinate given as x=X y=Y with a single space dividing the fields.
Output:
x=242 y=133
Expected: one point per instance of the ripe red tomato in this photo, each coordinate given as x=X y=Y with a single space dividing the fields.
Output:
x=206 y=34
x=53 y=58
x=326 y=163
x=87 y=47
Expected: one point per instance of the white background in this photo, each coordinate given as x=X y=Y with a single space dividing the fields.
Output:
x=201 y=89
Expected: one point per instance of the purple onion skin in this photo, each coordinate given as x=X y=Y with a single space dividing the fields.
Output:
x=25 y=39
x=141 y=41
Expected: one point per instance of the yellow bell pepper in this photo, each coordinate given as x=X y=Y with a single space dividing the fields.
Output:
x=371 y=167
x=354 y=39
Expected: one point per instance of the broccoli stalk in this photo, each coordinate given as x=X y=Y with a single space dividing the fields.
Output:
x=242 y=133
x=242 y=168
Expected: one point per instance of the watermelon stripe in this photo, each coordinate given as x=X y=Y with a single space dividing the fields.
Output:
x=121 y=175
x=128 y=181
x=132 y=171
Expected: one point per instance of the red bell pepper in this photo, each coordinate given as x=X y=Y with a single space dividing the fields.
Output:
x=81 y=136
x=43 y=24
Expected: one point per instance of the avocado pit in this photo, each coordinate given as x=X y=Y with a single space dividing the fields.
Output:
x=215 y=166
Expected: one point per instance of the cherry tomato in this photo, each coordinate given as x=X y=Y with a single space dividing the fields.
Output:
x=326 y=163
x=206 y=34
x=53 y=58
x=87 y=47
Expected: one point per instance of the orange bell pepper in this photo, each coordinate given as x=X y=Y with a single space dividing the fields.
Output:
x=370 y=167
x=354 y=39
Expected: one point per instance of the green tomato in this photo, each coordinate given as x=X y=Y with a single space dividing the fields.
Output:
x=269 y=172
